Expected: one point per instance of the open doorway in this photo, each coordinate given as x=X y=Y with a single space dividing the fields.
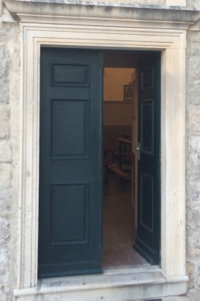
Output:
x=119 y=203
x=120 y=158
x=70 y=197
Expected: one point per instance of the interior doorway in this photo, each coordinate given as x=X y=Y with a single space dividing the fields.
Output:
x=119 y=203
x=70 y=226
x=120 y=132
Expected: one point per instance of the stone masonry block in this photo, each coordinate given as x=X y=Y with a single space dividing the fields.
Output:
x=193 y=243
x=4 y=263
x=5 y=151
x=193 y=3
x=197 y=277
x=4 y=229
x=5 y=176
x=194 y=144
x=195 y=50
x=190 y=266
x=5 y=59
x=193 y=163
x=194 y=67
x=193 y=218
x=5 y=202
x=193 y=37
x=4 y=121
x=193 y=193
x=194 y=118
x=193 y=92
x=6 y=293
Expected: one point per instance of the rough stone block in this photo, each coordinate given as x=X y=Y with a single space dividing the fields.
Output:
x=193 y=95
x=4 y=73
x=197 y=276
x=193 y=193
x=5 y=151
x=4 y=121
x=194 y=144
x=191 y=272
x=193 y=218
x=6 y=293
x=195 y=50
x=194 y=67
x=4 y=264
x=193 y=171
x=193 y=243
x=193 y=167
x=5 y=176
x=194 y=118
x=193 y=3
x=5 y=202
x=4 y=229
x=193 y=37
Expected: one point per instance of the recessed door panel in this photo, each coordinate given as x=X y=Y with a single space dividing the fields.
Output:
x=70 y=75
x=147 y=126
x=147 y=78
x=146 y=201
x=69 y=213
x=70 y=128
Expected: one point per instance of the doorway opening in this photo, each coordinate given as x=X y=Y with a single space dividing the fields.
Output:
x=120 y=158
x=70 y=206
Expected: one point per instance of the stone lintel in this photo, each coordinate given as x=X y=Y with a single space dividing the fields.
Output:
x=52 y=11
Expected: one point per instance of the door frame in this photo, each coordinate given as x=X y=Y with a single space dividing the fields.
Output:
x=172 y=44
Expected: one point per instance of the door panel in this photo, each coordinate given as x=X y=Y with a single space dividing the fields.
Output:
x=70 y=209
x=148 y=232
x=71 y=140
x=64 y=213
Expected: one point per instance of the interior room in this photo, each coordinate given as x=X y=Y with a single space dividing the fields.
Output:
x=119 y=129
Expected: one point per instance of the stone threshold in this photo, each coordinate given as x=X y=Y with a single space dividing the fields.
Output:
x=140 y=282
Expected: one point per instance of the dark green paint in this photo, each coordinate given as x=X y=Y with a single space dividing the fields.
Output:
x=148 y=232
x=70 y=210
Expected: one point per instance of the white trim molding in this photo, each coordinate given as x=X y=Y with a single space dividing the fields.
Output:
x=105 y=33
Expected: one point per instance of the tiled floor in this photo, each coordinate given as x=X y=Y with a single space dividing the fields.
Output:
x=118 y=225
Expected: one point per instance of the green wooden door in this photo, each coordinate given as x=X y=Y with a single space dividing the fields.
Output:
x=148 y=232
x=70 y=199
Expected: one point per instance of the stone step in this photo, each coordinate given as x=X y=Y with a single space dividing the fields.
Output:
x=141 y=283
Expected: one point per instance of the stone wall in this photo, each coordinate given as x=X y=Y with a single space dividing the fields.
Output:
x=9 y=154
x=9 y=127
x=193 y=3
x=193 y=158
